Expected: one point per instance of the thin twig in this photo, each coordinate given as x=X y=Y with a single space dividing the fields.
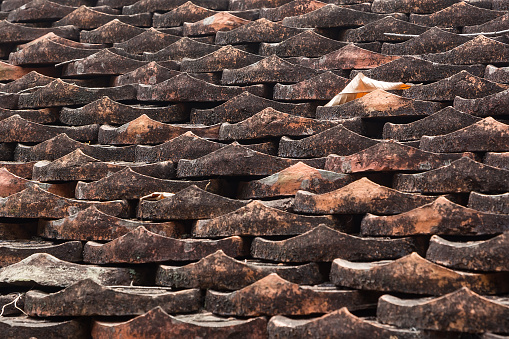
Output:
x=15 y=305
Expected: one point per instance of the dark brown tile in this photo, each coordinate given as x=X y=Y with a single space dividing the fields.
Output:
x=184 y=87
x=22 y=169
x=149 y=41
x=459 y=311
x=12 y=183
x=500 y=160
x=323 y=244
x=13 y=251
x=414 y=69
x=441 y=217
x=39 y=10
x=434 y=40
x=336 y=140
x=241 y=5
x=288 y=181
x=413 y=274
x=497 y=203
x=257 y=219
x=27 y=327
x=292 y=8
x=87 y=298
x=34 y=202
x=18 y=33
x=222 y=21
x=114 y=31
x=461 y=84
x=103 y=62
x=444 y=121
x=338 y=324
x=204 y=325
x=187 y=12
x=183 y=48
x=220 y=272
x=332 y=16
x=490 y=105
x=361 y=196
x=61 y=145
x=111 y=112
x=459 y=14
x=495 y=25
x=237 y=160
x=484 y=255
x=45 y=270
x=261 y=30
x=495 y=74
x=187 y=201
x=378 y=104
x=142 y=6
x=269 y=70
x=323 y=86
x=142 y=246
x=375 y=30
x=92 y=224
x=352 y=57
x=39 y=116
x=245 y=105
x=226 y=57
x=59 y=93
x=88 y=18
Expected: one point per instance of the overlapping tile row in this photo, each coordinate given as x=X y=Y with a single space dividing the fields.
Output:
x=172 y=169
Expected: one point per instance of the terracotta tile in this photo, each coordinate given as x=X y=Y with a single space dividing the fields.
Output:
x=61 y=145
x=114 y=31
x=13 y=251
x=142 y=246
x=500 y=160
x=47 y=51
x=79 y=166
x=92 y=224
x=410 y=6
x=336 y=140
x=351 y=57
x=323 y=244
x=376 y=104
x=331 y=16
x=35 y=202
x=257 y=219
x=434 y=40
x=292 y=8
x=237 y=160
x=184 y=87
x=59 y=93
x=148 y=74
x=459 y=311
x=17 y=129
x=459 y=14
x=183 y=48
x=44 y=269
x=27 y=327
x=220 y=272
x=226 y=57
x=10 y=5
x=62 y=41
x=261 y=30
x=490 y=105
x=29 y=81
x=21 y=169
x=484 y=255
x=497 y=203
x=338 y=324
x=149 y=41
x=480 y=50
x=115 y=3
x=187 y=12
x=111 y=112
x=17 y=33
x=129 y=184
x=240 y=5
x=461 y=84
x=274 y=295
x=103 y=62
x=272 y=123
x=414 y=69
x=164 y=6
x=222 y=21
x=288 y=181
x=40 y=116
x=375 y=30
x=12 y=183
x=88 y=18
x=39 y=10
x=485 y=135
x=205 y=325
x=361 y=196
x=323 y=86
x=187 y=201
x=441 y=217
x=245 y=105
x=87 y=298
x=269 y=70
x=390 y=156
x=444 y=121
x=412 y=274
